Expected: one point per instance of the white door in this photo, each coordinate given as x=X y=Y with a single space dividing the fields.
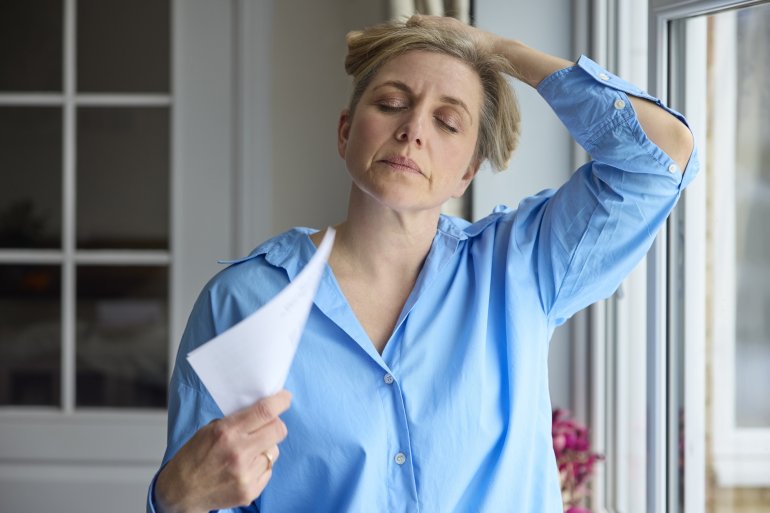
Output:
x=116 y=193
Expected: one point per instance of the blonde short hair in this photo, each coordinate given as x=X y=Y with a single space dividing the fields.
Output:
x=371 y=48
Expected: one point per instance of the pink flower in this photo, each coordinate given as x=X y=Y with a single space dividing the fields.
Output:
x=575 y=461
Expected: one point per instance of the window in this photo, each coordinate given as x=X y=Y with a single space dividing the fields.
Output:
x=84 y=216
x=712 y=352
x=102 y=310
x=85 y=247
x=685 y=423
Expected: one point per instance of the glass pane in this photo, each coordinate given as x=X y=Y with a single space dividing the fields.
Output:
x=30 y=334
x=123 y=177
x=31 y=45
x=752 y=201
x=123 y=46
x=30 y=174
x=122 y=336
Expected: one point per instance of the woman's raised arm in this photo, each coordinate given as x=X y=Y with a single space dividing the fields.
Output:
x=531 y=66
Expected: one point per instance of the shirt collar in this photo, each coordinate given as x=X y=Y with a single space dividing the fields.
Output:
x=293 y=249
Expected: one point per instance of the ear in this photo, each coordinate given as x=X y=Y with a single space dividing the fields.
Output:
x=467 y=178
x=343 y=132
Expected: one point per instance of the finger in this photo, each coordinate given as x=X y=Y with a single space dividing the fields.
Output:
x=262 y=480
x=266 y=437
x=264 y=440
x=267 y=458
x=415 y=20
x=352 y=36
x=262 y=470
x=261 y=413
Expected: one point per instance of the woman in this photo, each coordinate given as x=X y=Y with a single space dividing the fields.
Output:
x=421 y=380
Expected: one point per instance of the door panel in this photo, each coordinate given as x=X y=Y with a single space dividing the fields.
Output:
x=83 y=448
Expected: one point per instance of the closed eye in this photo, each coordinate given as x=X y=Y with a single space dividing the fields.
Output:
x=391 y=106
x=447 y=126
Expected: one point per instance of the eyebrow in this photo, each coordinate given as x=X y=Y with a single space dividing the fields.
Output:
x=451 y=100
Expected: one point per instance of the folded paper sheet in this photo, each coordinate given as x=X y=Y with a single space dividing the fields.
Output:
x=251 y=360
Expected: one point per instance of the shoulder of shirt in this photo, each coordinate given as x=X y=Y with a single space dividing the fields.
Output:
x=284 y=254
x=276 y=249
x=269 y=265
x=462 y=229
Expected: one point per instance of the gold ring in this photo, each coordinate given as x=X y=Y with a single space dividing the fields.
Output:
x=269 y=459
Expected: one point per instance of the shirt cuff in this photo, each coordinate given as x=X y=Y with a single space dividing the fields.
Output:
x=593 y=105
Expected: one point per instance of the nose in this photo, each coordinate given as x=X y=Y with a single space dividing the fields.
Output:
x=410 y=131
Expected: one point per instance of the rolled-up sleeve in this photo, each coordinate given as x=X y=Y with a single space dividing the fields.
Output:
x=585 y=237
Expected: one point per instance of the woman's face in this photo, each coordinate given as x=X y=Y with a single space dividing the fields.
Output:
x=411 y=141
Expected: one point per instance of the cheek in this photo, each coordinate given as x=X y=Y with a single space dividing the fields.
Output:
x=367 y=131
x=459 y=156
x=364 y=139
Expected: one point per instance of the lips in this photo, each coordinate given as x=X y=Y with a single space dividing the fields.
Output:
x=402 y=162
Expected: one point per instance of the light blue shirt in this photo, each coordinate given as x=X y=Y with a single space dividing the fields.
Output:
x=455 y=415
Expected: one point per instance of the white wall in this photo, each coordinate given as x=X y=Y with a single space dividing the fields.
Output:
x=309 y=89
x=543 y=159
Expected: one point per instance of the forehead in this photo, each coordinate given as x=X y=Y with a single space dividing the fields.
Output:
x=432 y=72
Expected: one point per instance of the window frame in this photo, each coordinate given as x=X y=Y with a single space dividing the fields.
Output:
x=612 y=333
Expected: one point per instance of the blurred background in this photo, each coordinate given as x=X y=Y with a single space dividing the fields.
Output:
x=142 y=140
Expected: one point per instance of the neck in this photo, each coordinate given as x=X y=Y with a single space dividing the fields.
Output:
x=377 y=242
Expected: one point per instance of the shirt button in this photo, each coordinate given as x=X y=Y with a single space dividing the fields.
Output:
x=672 y=168
x=388 y=379
x=400 y=458
x=604 y=76
x=620 y=104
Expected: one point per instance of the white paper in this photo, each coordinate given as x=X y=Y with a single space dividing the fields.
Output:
x=251 y=360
